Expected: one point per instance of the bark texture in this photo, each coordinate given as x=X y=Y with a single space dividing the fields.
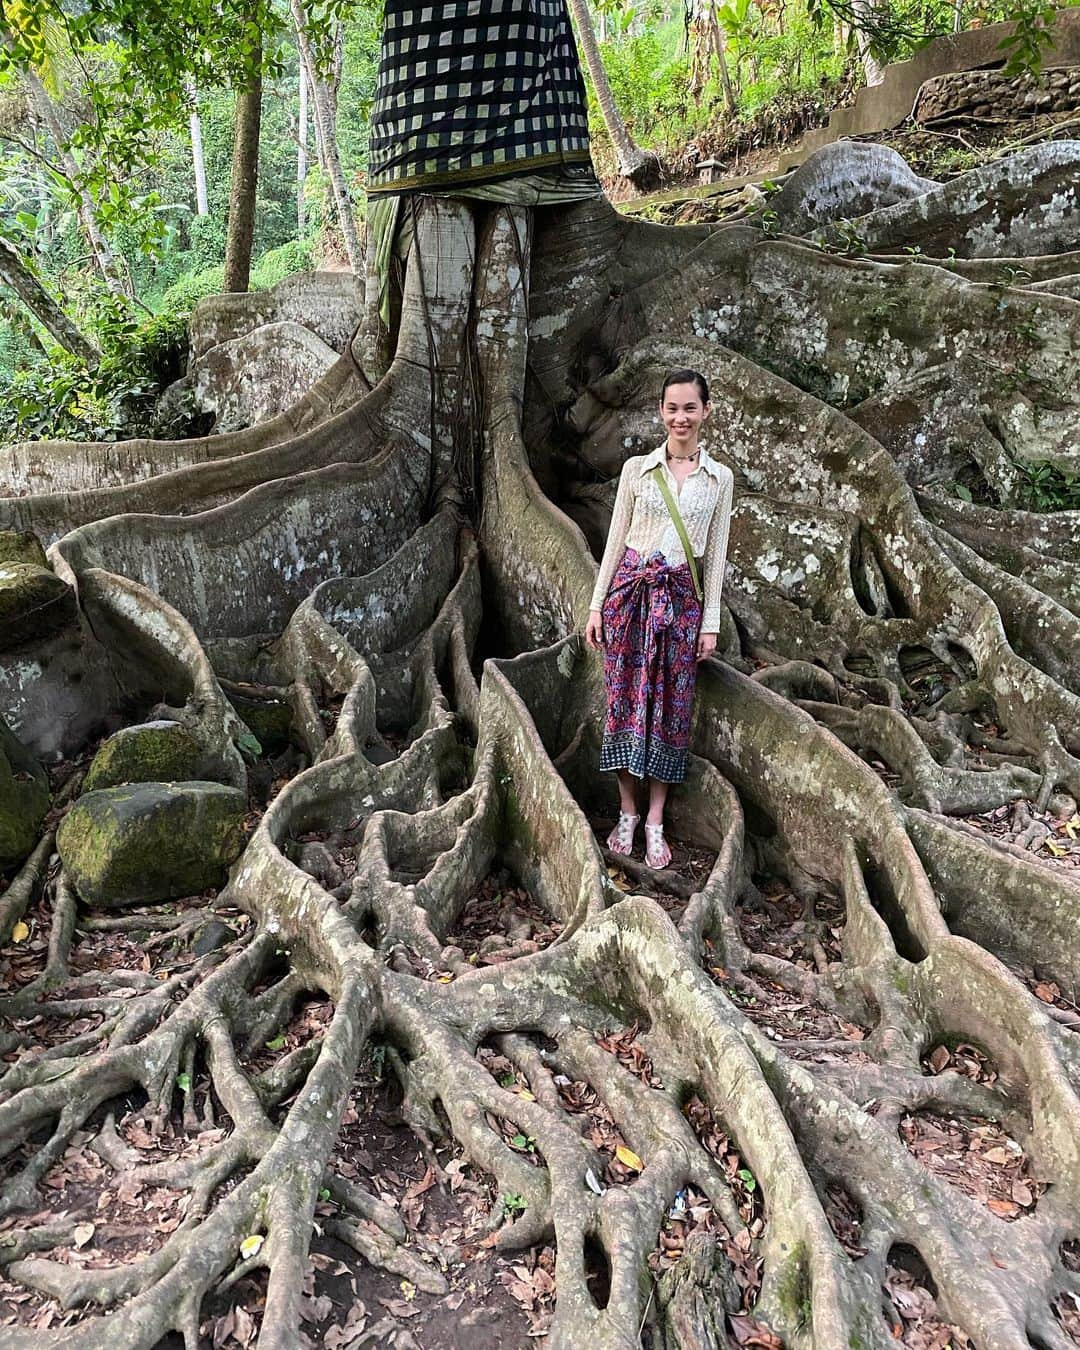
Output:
x=28 y=289
x=897 y=666
x=244 y=183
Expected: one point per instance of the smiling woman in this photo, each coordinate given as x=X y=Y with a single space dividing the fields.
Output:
x=649 y=611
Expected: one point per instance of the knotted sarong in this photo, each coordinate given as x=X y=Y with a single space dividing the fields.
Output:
x=651 y=621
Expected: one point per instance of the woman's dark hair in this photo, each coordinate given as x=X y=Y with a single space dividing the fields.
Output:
x=687 y=377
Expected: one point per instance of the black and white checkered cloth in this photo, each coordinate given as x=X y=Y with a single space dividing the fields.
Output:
x=471 y=91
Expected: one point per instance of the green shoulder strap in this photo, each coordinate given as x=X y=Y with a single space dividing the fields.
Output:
x=680 y=529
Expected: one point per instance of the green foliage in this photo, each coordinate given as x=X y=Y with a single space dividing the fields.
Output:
x=279 y=263
x=59 y=398
x=649 y=81
x=186 y=292
x=53 y=395
x=1045 y=487
x=141 y=56
x=1027 y=44
x=778 y=78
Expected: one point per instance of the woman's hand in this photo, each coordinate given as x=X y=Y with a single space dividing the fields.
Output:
x=706 y=645
x=594 y=629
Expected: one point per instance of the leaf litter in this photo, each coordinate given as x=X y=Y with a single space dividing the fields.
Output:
x=450 y=1209
x=788 y=1018
x=977 y=1157
x=502 y=921
x=909 y=1304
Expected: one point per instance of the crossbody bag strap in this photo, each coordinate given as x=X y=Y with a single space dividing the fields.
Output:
x=680 y=529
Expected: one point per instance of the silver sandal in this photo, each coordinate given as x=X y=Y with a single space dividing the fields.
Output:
x=656 y=848
x=621 y=838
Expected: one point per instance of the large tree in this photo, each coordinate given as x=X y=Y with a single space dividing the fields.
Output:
x=244 y=182
x=772 y=1070
x=634 y=163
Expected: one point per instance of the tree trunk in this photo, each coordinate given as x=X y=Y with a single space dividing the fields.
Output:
x=633 y=162
x=873 y=70
x=198 y=159
x=337 y=67
x=708 y=40
x=244 y=183
x=15 y=274
x=87 y=211
x=301 y=152
x=719 y=39
x=322 y=105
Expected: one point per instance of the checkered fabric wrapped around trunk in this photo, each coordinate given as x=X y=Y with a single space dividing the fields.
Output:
x=471 y=91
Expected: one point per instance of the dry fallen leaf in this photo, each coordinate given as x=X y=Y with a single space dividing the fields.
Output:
x=82 y=1234
x=939 y=1058
x=244 y=1330
x=20 y=932
x=223 y=1329
x=629 y=1158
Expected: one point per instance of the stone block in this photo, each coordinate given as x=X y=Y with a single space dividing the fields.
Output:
x=150 y=842
x=154 y=752
x=34 y=603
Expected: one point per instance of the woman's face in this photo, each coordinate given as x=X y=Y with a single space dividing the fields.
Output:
x=683 y=413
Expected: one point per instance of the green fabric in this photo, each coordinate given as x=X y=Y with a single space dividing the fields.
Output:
x=680 y=529
x=382 y=228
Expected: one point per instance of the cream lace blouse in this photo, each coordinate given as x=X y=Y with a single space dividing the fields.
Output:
x=641 y=521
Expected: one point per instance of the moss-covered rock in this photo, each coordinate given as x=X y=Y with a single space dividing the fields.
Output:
x=21 y=546
x=151 y=841
x=34 y=603
x=269 y=720
x=154 y=752
x=24 y=798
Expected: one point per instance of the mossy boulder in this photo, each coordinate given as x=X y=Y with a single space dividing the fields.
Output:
x=269 y=721
x=34 y=603
x=151 y=841
x=154 y=752
x=21 y=546
x=24 y=798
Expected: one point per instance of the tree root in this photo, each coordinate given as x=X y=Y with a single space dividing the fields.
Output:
x=766 y=1057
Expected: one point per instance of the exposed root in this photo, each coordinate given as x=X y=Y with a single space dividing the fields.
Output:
x=816 y=1083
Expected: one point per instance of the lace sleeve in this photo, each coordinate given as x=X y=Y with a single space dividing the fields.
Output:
x=716 y=555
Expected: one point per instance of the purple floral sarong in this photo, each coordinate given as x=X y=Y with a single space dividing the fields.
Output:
x=651 y=621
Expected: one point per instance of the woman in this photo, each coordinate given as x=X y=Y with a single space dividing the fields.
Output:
x=655 y=612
